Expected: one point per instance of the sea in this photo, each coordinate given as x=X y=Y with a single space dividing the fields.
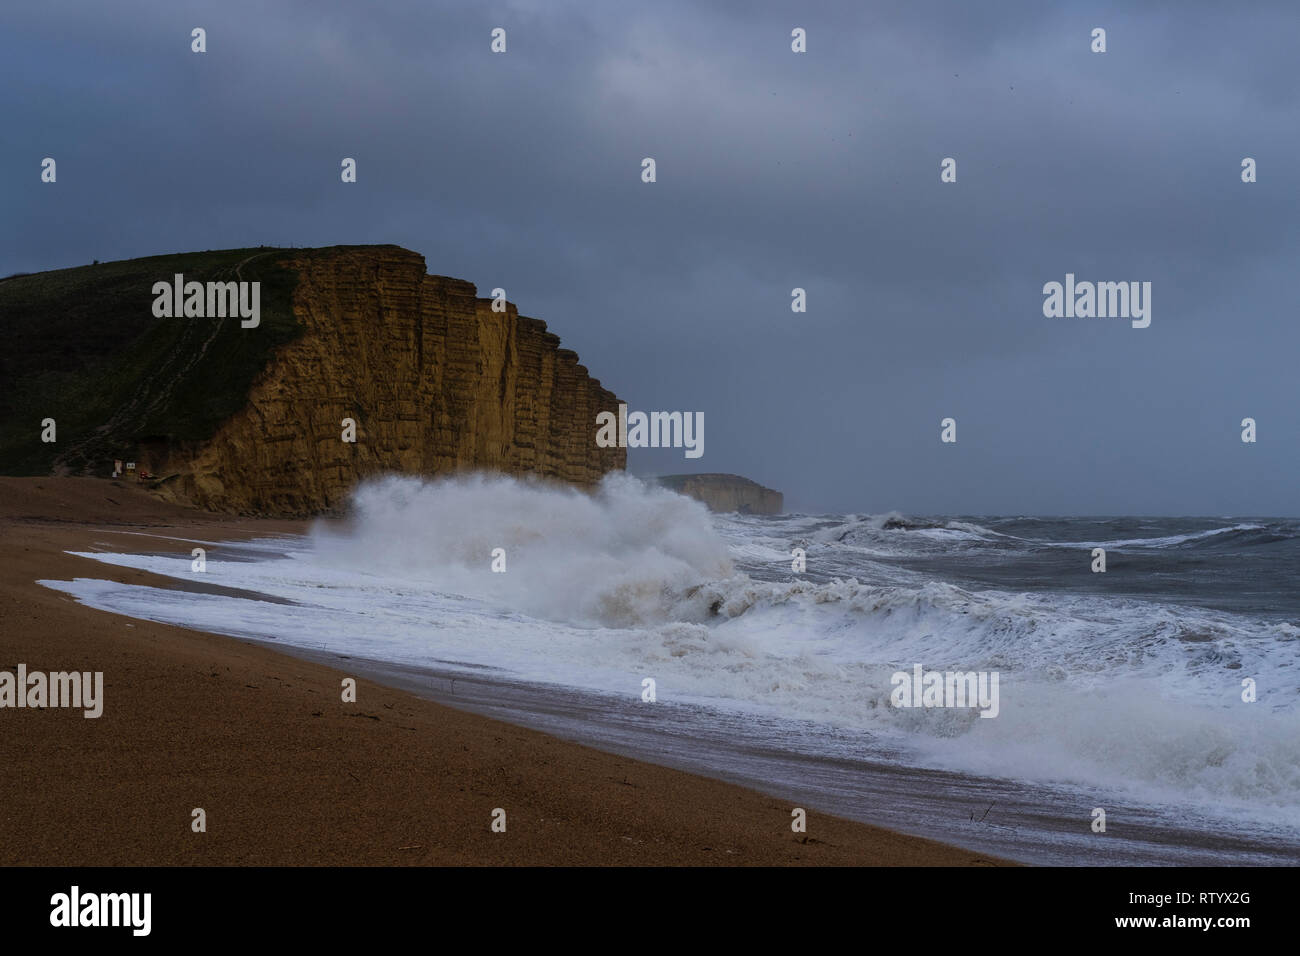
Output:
x=1148 y=714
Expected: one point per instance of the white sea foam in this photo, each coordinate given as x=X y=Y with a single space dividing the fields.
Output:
x=1167 y=541
x=633 y=581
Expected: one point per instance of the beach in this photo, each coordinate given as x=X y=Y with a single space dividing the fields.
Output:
x=288 y=774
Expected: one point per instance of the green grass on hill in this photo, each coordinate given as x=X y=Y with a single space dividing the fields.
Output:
x=84 y=348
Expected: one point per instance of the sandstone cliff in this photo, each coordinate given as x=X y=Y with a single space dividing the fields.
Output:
x=434 y=380
x=727 y=493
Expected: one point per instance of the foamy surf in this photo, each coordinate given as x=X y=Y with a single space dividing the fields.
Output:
x=1132 y=697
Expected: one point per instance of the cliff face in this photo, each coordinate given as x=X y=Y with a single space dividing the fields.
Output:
x=433 y=378
x=727 y=493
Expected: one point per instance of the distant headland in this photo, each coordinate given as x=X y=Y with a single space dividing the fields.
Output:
x=727 y=493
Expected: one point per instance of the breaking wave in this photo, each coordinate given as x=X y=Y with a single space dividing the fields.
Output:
x=602 y=589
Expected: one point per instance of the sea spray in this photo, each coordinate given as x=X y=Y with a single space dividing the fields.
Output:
x=625 y=554
x=1138 y=696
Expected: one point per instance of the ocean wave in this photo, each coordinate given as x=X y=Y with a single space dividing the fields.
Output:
x=1238 y=531
x=895 y=521
x=601 y=590
x=623 y=555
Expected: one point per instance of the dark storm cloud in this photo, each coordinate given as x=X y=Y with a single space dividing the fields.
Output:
x=775 y=170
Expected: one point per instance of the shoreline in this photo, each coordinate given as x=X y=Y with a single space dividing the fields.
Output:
x=287 y=774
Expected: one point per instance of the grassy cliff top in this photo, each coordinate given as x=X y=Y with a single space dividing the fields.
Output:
x=84 y=348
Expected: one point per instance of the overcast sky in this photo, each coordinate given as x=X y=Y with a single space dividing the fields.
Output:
x=775 y=170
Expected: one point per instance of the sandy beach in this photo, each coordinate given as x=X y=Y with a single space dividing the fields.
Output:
x=287 y=773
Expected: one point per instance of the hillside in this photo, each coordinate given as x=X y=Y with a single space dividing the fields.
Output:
x=727 y=493
x=249 y=419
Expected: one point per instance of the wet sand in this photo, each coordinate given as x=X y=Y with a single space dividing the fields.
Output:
x=289 y=774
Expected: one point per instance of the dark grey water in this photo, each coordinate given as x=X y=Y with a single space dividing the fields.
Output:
x=1245 y=565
